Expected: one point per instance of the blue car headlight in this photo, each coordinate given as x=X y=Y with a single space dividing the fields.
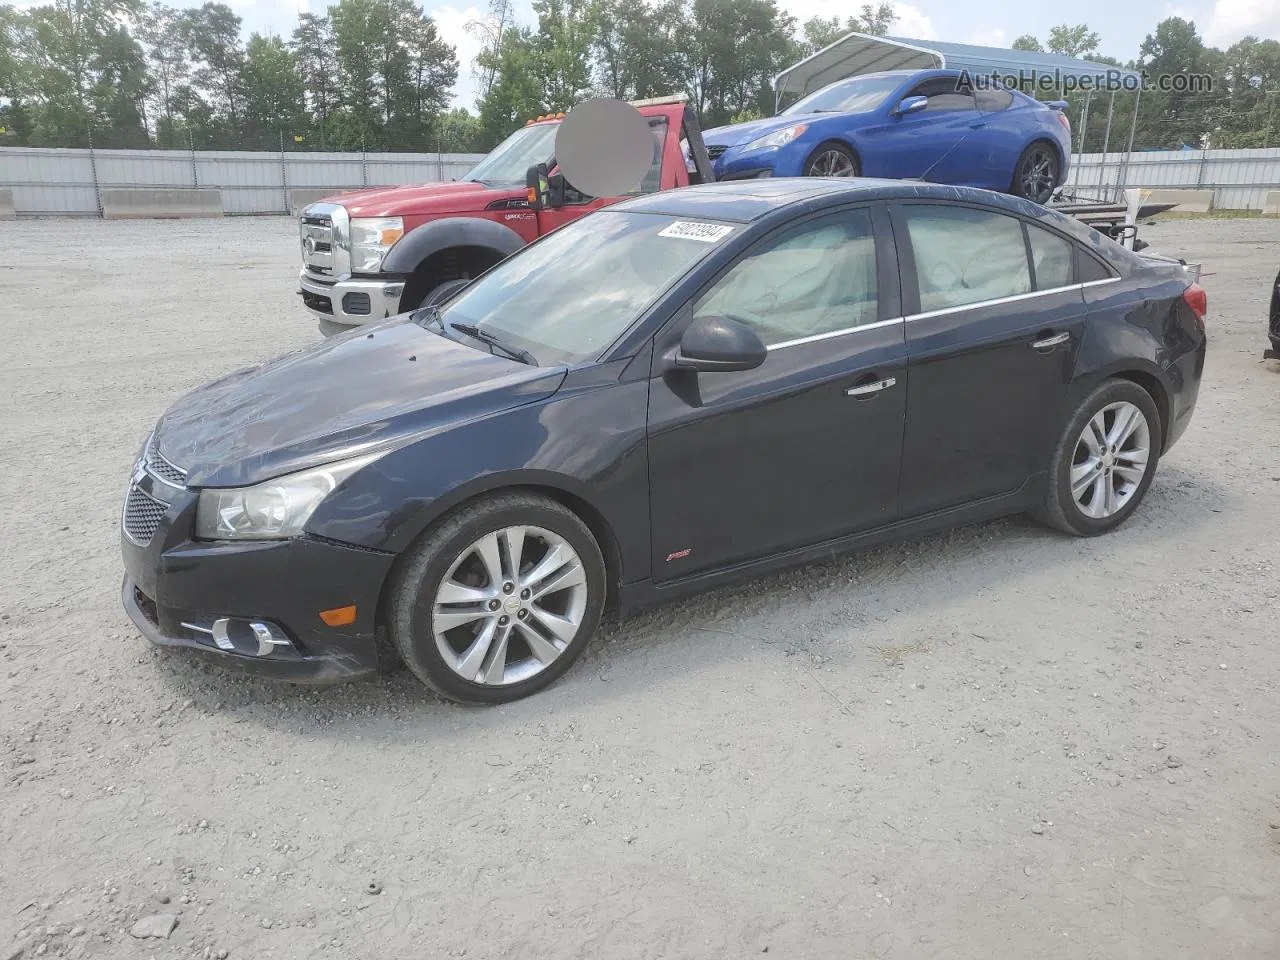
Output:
x=776 y=139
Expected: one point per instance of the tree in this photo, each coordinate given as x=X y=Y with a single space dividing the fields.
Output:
x=120 y=91
x=563 y=46
x=160 y=28
x=433 y=70
x=490 y=31
x=637 y=48
x=733 y=49
x=312 y=46
x=274 y=101
x=1029 y=43
x=819 y=32
x=515 y=95
x=1171 y=118
x=212 y=35
x=1078 y=41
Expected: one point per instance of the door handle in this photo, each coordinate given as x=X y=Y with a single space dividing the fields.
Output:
x=978 y=124
x=870 y=389
x=1045 y=344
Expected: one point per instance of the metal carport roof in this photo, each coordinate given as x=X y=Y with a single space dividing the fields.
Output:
x=858 y=53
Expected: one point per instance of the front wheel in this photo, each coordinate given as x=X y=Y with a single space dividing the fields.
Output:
x=1036 y=175
x=832 y=160
x=498 y=600
x=1104 y=461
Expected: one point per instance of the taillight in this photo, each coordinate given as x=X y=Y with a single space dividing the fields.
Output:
x=1064 y=119
x=1197 y=300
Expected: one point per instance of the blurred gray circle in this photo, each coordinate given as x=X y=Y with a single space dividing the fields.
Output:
x=604 y=147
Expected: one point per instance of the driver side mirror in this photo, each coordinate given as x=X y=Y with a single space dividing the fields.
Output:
x=718 y=344
x=545 y=192
x=911 y=105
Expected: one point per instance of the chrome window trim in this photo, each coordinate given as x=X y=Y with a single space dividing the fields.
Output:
x=832 y=333
x=1010 y=299
x=937 y=313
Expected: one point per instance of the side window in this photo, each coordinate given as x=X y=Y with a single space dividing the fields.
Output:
x=1051 y=258
x=964 y=255
x=1088 y=268
x=653 y=177
x=942 y=95
x=993 y=99
x=816 y=278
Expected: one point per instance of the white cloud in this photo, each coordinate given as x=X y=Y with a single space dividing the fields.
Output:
x=1233 y=19
x=452 y=24
x=989 y=37
x=913 y=22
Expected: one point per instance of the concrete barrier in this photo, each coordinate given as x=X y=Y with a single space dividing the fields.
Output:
x=160 y=204
x=304 y=196
x=6 y=206
x=1271 y=208
x=1188 y=201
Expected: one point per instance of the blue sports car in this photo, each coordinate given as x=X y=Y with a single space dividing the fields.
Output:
x=906 y=124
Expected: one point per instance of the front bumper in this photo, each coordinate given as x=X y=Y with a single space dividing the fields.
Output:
x=351 y=300
x=176 y=590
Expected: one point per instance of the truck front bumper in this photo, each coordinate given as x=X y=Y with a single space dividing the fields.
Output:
x=351 y=300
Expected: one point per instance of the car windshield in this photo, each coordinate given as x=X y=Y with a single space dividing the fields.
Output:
x=570 y=295
x=849 y=96
x=512 y=158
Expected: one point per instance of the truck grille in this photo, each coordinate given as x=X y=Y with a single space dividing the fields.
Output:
x=142 y=516
x=716 y=151
x=320 y=229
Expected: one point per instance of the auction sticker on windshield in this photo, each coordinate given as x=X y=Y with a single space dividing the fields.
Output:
x=689 y=230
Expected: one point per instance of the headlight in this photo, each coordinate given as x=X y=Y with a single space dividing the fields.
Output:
x=275 y=510
x=371 y=238
x=779 y=138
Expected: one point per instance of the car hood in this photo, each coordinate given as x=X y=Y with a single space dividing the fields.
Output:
x=378 y=386
x=737 y=134
x=459 y=196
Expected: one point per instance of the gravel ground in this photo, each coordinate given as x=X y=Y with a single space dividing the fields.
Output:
x=992 y=742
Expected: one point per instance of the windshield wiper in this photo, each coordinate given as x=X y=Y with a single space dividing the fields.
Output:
x=484 y=336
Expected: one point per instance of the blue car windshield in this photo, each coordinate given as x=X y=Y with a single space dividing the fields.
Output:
x=848 y=96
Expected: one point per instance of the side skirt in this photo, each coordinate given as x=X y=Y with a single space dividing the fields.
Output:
x=645 y=593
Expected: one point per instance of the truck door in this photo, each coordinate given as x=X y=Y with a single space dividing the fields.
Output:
x=577 y=203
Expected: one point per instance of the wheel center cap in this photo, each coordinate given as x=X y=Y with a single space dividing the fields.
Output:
x=512 y=603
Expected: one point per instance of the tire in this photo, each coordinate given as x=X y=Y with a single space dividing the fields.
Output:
x=1086 y=512
x=521 y=628
x=830 y=156
x=1035 y=176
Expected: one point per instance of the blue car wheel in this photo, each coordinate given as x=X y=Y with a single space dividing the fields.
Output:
x=1036 y=175
x=832 y=160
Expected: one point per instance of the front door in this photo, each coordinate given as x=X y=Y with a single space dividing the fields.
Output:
x=991 y=348
x=938 y=144
x=806 y=447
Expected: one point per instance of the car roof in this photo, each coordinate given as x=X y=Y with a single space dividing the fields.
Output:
x=743 y=201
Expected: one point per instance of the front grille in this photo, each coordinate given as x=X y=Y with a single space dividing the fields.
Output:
x=317 y=221
x=142 y=516
x=166 y=471
x=717 y=150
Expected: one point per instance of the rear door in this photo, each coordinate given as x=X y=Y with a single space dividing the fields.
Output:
x=993 y=327
x=805 y=447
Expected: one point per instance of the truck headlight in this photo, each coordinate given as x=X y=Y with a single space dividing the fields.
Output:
x=371 y=238
x=779 y=138
x=274 y=510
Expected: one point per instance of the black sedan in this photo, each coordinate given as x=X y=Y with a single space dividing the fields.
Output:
x=681 y=390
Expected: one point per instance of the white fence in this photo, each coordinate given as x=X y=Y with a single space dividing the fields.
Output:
x=62 y=182
x=49 y=181
x=1239 y=179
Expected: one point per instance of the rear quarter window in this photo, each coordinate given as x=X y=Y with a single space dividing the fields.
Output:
x=992 y=100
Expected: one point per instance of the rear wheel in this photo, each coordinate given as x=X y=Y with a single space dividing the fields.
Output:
x=1104 y=461
x=832 y=160
x=499 y=600
x=1036 y=175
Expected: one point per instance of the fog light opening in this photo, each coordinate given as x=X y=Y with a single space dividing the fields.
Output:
x=249 y=637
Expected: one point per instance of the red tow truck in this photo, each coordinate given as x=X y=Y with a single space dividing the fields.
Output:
x=378 y=252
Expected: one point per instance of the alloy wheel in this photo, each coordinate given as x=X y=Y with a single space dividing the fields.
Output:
x=1038 y=175
x=832 y=163
x=511 y=603
x=1111 y=460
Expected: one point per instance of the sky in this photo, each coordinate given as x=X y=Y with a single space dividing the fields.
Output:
x=1122 y=25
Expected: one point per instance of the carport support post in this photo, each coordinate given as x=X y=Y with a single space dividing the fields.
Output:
x=1084 y=120
x=1128 y=153
x=1106 y=142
